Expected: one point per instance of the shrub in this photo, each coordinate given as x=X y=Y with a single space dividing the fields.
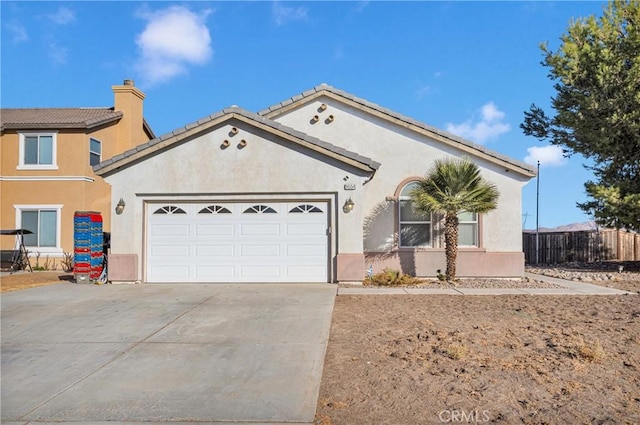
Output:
x=37 y=267
x=67 y=262
x=590 y=352
x=456 y=351
x=391 y=277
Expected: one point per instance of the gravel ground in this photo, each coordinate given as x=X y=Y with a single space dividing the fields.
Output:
x=604 y=273
x=479 y=283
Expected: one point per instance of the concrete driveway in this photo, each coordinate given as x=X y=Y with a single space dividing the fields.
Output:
x=164 y=353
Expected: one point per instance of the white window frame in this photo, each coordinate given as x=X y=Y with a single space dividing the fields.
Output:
x=95 y=153
x=475 y=222
x=54 y=151
x=405 y=198
x=47 y=250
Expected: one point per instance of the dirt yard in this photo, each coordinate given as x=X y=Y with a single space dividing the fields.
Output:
x=433 y=359
x=23 y=280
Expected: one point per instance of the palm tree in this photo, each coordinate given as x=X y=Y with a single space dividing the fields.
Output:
x=451 y=187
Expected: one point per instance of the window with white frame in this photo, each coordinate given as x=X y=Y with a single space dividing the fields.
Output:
x=37 y=151
x=95 y=151
x=44 y=223
x=414 y=229
x=467 y=229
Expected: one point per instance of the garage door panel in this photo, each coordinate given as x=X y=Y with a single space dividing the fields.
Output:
x=214 y=273
x=306 y=272
x=214 y=250
x=304 y=229
x=259 y=229
x=170 y=230
x=169 y=250
x=261 y=251
x=214 y=229
x=171 y=272
x=307 y=250
x=260 y=272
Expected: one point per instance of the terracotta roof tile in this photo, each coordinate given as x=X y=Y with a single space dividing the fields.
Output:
x=52 y=118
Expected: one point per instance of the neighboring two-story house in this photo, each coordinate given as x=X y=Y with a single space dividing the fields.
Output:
x=46 y=159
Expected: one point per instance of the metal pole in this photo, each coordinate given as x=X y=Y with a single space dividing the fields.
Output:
x=538 y=215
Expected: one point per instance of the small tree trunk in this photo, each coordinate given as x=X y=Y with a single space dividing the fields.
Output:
x=451 y=244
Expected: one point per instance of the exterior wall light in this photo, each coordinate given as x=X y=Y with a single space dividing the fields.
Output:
x=315 y=119
x=120 y=206
x=242 y=143
x=233 y=131
x=330 y=118
x=225 y=144
x=322 y=107
x=348 y=205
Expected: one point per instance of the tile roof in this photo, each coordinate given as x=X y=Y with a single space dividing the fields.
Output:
x=323 y=88
x=231 y=112
x=52 y=118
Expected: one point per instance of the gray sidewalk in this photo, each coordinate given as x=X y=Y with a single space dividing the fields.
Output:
x=569 y=288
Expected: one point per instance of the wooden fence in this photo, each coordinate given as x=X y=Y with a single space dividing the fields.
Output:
x=582 y=246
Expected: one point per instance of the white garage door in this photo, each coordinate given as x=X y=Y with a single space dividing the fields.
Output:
x=237 y=242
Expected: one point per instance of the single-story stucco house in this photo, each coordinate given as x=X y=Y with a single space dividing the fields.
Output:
x=313 y=189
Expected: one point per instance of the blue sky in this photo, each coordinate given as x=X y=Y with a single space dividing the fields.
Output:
x=471 y=68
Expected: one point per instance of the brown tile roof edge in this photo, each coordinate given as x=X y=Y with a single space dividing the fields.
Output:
x=370 y=163
x=54 y=118
x=272 y=110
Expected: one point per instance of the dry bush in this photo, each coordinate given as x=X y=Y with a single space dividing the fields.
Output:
x=456 y=351
x=391 y=277
x=578 y=349
x=67 y=262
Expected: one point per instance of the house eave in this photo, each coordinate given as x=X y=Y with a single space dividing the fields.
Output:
x=401 y=121
x=140 y=152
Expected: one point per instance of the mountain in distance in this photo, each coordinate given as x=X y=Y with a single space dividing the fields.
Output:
x=573 y=227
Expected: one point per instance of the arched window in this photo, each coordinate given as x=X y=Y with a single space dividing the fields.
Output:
x=259 y=209
x=214 y=209
x=305 y=208
x=414 y=227
x=169 y=209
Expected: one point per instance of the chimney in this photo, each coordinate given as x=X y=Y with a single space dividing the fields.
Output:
x=128 y=99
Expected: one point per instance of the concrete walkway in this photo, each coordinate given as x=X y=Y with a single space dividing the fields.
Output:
x=164 y=353
x=569 y=288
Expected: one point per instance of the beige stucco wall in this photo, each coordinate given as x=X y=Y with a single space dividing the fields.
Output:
x=405 y=154
x=266 y=168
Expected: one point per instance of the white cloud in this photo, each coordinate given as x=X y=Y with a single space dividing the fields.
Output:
x=172 y=39
x=422 y=91
x=283 y=14
x=487 y=127
x=62 y=16
x=551 y=156
x=361 y=5
x=58 y=54
x=19 y=32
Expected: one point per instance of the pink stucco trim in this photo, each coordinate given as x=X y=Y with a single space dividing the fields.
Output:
x=350 y=267
x=471 y=263
x=123 y=268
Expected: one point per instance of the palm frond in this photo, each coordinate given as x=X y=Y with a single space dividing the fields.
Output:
x=454 y=186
